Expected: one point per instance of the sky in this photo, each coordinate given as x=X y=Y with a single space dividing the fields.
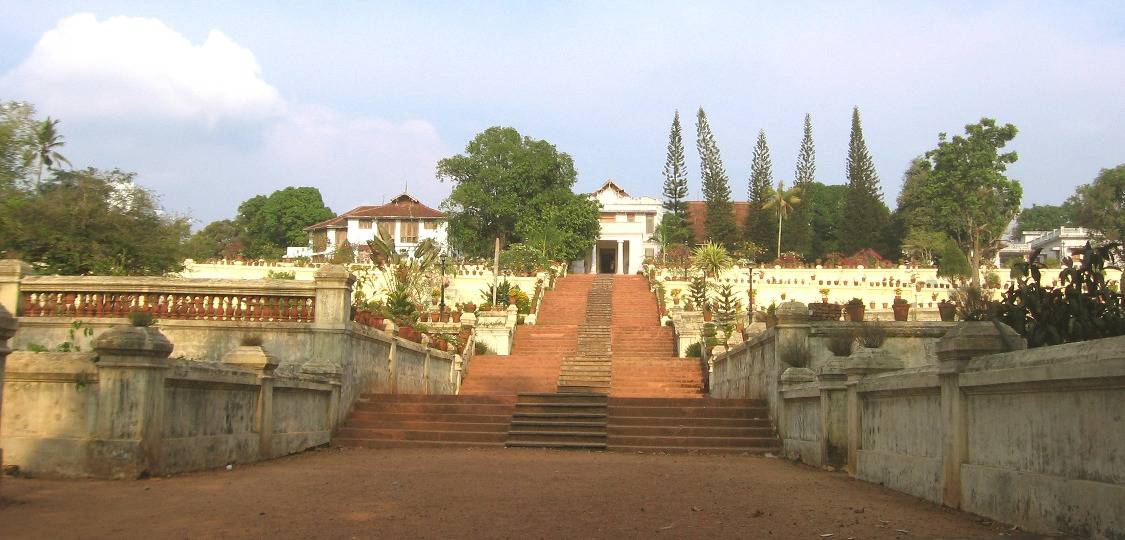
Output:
x=214 y=102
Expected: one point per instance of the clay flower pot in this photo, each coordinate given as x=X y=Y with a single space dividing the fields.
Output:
x=855 y=313
x=947 y=311
x=901 y=310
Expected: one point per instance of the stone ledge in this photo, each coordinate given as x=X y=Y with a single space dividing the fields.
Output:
x=918 y=329
x=157 y=285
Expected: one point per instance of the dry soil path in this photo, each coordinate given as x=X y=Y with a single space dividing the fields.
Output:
x=502 y=493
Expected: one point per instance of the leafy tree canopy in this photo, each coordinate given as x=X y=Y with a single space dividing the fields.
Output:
x=270 y=223
x=1100 y=205
x=505 y=185
x=1046 y=217
x=219 y=239
x=825 y=204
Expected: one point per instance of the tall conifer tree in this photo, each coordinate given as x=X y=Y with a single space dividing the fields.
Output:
x=675 y=224
x=865 y=214
x=761 y=224
x=798 y=231
x=719 y=223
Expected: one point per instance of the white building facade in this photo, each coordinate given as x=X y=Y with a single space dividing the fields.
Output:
x=1058 y=244
x=627 y=227
x=405 y=220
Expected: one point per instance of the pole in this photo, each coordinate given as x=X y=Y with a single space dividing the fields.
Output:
x=441 y=305
x=495 y=272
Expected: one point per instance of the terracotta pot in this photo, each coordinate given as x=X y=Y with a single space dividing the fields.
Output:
x=707 y=315
x=855 y=313
x=456 y=316
x=470 y=308
x=948 y=312
x=435 y=316
x=902 y=312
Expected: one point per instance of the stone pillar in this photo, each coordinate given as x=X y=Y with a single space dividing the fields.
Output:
x=833 y=413
x=790 y=378
x=954 y=351
x=392 y=365
x=11 y=272
x=263 y=364
x=132 y=362
x=8 y=327
x=620 y=257
x=333 y=296
x=792 y=325
x=861 y=363
x=594 y=258
x=332 y=374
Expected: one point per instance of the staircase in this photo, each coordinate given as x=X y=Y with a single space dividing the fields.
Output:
x=644 y=357
x=560 y=420
x=588 y=370
x=698 y=425
x=410 y=420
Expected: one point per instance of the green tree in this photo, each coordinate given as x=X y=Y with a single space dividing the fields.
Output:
x=16 y=125
x=782 y=201
x=924 y=246
x=220 y=239
x=798 y=227
x=761 y=227
x=712 y=260
x=825 y=204
x=1100 y=205
x=95 y=222
x=719 y=223
x=972 y=199
x=952 y=263
x=270 y=223
x=913 y=207
x=677 y=227
x=564 y=228
x=1046 y=217
x=865 y=214
x=343 y=254
x=46 y=142
x=500 y=179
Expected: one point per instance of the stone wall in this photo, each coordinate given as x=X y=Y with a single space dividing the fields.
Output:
x=1028 y=437
x=206 y=400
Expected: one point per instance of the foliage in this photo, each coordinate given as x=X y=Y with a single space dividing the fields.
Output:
x=502 y=178
x=972 y=303
x=670 y=233
x=914 y=208
x=16 y=126
x=270 y=223
x=675 y=222
x=1100 y=205
x=564 y=227
x=798 y=226
x=693 y=350
x=480 y=348
x=992 y=280
x=505 y=291
x=1046 y=217
x=924 y=246
x=400 y=306
x=761 y=228
x=952 y=262
x=91 y=222
x=1080 y=308
x=719 y=222
x=967 y=191
x=865 y=214
x=343 y=254
x=796 y=354
x=281 y=274
x=221 y=239
x=748 y=251
x=784 y=201
x=841 y=342
x=711 y=259
x=825 y=206
x=871 y=335
x=141 y=318
x=45 y=144
x=855 y=302
x=697 y=291
x=728 y=308
x=523 y=259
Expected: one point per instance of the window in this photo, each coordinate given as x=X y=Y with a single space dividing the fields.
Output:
x=631 y=217
x=319 y=241
x=341 y=236
x=430 y=225
x=650 y=223
x=387 y=229
x=607 y=218
x=365 y=223
x=408 y=232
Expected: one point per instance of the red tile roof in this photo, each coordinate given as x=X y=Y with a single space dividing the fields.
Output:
x=697 y=213
x=403 y=206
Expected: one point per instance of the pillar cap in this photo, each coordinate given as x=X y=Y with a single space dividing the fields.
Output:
x=976 y=338
x=251 y=357
x=8 y=324
x=126 y=340
x=792 y=312
x=334 y=272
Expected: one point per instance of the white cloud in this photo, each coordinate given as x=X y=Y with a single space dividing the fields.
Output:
x=132 y=67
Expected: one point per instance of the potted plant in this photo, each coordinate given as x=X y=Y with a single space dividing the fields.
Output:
x=676 y=296
x=824 y=295
x=469 y=307
x=947 y=310
x=855 y=309
x=901 y=308
x=456 y=315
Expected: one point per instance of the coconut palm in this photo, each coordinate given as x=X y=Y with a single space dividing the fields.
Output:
x=784 y=200
x=46 y=142
x=712 y=259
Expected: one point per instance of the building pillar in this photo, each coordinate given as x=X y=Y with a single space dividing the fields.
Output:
x=256 y=359
x=594 y=258
x=620 y=255
x=11 y=272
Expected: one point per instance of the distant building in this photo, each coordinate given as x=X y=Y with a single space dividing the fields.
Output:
x=1056 y=245
x=627 y=225
x=405 y=220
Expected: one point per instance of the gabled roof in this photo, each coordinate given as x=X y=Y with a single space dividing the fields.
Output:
x=697 y=213
x=610 y=184
x=402 y=206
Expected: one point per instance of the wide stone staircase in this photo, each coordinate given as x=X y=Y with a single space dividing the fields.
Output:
x=597 y=371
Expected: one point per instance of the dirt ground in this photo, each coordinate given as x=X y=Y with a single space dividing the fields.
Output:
x=501 y=493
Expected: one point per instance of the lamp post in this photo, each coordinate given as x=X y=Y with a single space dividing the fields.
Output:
x=750 y=292
x=441 y=305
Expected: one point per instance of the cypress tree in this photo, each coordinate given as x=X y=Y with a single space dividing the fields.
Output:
x=798 y=230
x=677 y=227
x=761 y=223
x=865 y=214
x=719 y=223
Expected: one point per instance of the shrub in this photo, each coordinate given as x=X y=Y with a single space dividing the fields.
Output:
x=796 y=354
x=871 y=335
x=141 y=318
x=856 y=302
x=481 y=348
x=523 y=259
x=992 y=280
x=697 y=291
x=972 y=304
x=693 y=351
x=841 y=343
x=281 y=274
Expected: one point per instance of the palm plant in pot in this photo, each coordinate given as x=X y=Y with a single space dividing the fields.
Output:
x=855 y=309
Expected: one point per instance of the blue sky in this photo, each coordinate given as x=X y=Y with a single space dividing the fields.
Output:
x=212 y=102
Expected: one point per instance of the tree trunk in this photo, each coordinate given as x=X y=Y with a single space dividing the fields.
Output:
x=974 y=262
x=779 y=232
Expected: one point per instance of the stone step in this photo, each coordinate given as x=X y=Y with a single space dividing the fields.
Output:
x=524 y=425
x=558 y=407
x=428 y=425
x=434 y=408
x=553 y=397
x=690 y=431
x=704 y=442
x=693 y=422
x=687 y=412
x=398 y=443
x=468 y=418
x=527 y=437
x=421 y=435
x=371 y=398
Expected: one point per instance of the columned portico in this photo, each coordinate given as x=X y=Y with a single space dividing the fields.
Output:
x=620 y=251
x=593 y=267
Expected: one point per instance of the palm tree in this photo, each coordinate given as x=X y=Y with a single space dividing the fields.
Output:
x=46 y=141
x=712 y=259
x=784 y=200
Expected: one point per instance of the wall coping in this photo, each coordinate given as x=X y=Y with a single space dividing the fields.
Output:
x=906 y=380
x=920 y=329
x=157 y=285
x=759 y=339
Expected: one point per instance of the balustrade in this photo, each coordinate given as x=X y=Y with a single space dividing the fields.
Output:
x=177 y=305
